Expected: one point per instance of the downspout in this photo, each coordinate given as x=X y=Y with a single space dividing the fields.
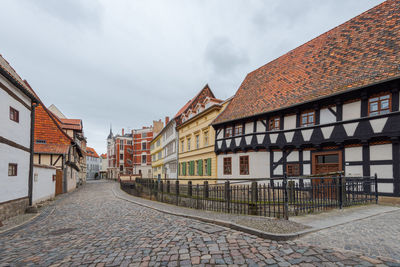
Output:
x=30 y=179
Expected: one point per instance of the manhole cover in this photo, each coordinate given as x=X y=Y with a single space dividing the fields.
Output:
x=62 y=231
x=209 y=229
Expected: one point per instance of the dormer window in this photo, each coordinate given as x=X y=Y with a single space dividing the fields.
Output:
x=307 y=119
x=239 y=129
x=274 y=124
x=228 y=131
x=379 y=105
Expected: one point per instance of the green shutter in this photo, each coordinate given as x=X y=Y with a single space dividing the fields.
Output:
x=200 y=167
x=209 y=167
x=192 y=167
x=184 y=168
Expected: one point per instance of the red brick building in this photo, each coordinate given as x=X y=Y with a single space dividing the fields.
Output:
x=129 y=153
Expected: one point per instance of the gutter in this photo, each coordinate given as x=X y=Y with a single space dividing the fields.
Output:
x=30 y=180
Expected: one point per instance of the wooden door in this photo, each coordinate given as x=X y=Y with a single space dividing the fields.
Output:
x=326 y=163
x=59 y=176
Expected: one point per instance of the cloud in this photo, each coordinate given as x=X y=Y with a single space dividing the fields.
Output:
x=223 y=56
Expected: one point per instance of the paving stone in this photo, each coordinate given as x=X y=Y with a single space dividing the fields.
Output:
x=109 y=231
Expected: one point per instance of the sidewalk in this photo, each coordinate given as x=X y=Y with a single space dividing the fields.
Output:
x=266 y=227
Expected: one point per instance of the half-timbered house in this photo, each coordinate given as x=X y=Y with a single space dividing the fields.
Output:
x=331 y=104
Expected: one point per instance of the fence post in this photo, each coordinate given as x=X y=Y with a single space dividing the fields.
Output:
x=177 y=191
x=161 y=189
x=190 y=188
x=376 y=188
x=197 y=195
x=227 y=196
x=168 y=187
x=205 y=189
x=340 y=192
x=285 y=198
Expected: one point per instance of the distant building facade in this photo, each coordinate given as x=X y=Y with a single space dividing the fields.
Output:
x=93 y=164
x=103 y=166
x=129 y=153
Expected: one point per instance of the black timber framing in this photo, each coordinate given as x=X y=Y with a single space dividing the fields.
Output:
x=396 y=167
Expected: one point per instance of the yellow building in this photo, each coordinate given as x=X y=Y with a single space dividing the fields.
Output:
x=196 y=155
x=156 y=150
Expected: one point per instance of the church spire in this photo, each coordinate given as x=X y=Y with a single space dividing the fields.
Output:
x=111 y=133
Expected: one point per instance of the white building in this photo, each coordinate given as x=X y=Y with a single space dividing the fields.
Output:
x=103 y=166
x=92 y=164
x=16 y=106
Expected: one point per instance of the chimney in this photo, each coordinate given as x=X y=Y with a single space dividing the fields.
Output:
x=123 y=132
x=166 y=120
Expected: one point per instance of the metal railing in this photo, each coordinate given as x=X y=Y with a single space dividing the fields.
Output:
x=272 y=197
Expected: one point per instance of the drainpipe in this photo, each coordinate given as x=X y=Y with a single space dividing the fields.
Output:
x=30 y=179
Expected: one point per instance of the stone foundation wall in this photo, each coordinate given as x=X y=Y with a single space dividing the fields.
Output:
x=13 y=207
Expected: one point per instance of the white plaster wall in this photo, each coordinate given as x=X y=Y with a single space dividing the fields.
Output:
x=353 y=154
x=352 y=110
x=306 y=169
x=326 y=116
x=43 y=185
x=13 y=187
x=278 y=170
x=248 y=127
x=16 y=132
x=258 y=164
x=354 y=171
x=293 y=156
x=220 y=134
x=260 y=126
x=380 y=152
x=306 y=155
x=71 y=181
x=277 y=155
x=385 y=188
x=289 y=122
x=383 y=171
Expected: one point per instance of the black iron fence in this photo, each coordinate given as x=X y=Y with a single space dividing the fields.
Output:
x=274 y=197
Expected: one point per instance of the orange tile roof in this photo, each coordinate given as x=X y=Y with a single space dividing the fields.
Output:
x=51 y=148
x=6 y=67
x=73 y=124
x=104 y=156
x=362 y=51
x=91 y=152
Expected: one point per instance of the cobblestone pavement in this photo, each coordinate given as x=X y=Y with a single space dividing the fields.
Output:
x=91 y=227
x=376 y=236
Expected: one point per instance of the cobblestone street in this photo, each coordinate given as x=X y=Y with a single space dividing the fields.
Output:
x=376 y=236
x=92 y=227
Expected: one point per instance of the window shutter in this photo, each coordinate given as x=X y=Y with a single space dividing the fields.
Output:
x=184 y=168
x=209 y=167
x=200 y=167
x=192 y=167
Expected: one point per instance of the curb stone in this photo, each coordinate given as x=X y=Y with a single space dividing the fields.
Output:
x=227 y=224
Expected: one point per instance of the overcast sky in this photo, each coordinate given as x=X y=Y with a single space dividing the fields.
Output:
x=131 y=62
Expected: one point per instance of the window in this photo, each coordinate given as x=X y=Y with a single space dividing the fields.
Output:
x=329 y=158
x=227 y=166
x=121 y=145
x=144 y=135
x=182 y=145
x=205 y=138
x=144 y=159
x=158 y=142
x=14 y=114
x=274 y=124
x=129 y=142
x=144 y=146
x=121 y=168
x=12 y=169
x=293 y=169
x=197 y=141
x=228 y=132
x=188 y=144
x=379 y=105
x=38 y=141
x=244 y=165
x=238 y=129
x=121 y=156
x=307 y=119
